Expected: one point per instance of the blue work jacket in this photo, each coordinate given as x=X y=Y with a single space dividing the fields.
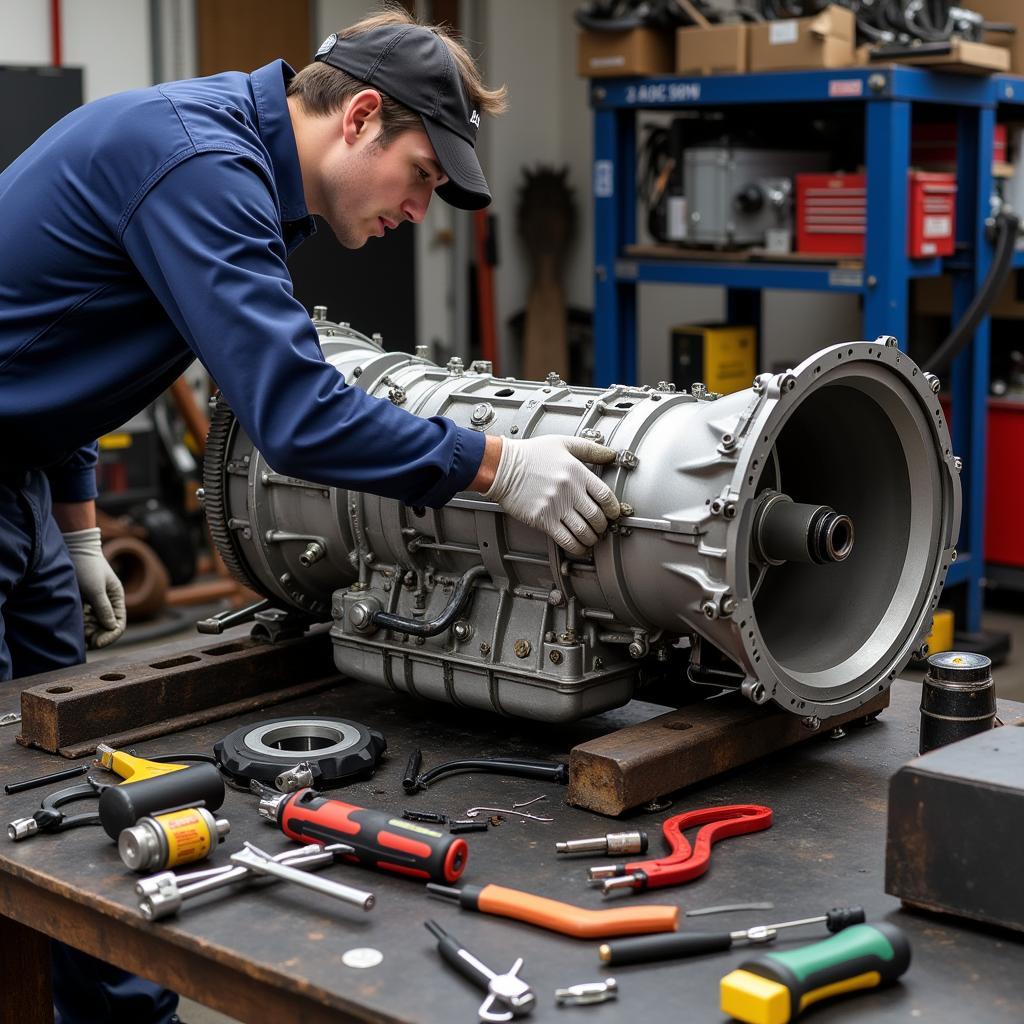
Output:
x=152 y=227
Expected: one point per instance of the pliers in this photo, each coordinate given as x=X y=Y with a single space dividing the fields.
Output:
x=508 y=996
x=684 y=863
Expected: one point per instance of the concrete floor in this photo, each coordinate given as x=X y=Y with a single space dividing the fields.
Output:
x=1006 y=615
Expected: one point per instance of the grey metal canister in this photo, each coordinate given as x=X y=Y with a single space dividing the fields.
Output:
x=958 y=698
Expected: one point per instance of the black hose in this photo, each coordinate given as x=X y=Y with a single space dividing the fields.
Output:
x=417 y=627
x=1002 y=260
x=524 y=767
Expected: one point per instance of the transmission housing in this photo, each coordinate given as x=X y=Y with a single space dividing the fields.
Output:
x=789 y=541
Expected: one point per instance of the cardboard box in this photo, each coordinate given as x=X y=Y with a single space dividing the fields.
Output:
x=824 y=41
x=723 y=359
x=1006 y=12
x=640 y=51
x=716 y=50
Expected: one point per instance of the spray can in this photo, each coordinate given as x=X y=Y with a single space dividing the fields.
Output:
x=170 y=838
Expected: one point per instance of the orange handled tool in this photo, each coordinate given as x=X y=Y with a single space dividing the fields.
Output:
x=560 y=917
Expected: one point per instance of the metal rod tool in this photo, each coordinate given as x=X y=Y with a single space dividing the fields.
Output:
x=263 y=864
x=162 y=895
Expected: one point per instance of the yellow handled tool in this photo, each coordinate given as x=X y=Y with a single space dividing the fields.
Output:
x=776 y=987
x=130 y=767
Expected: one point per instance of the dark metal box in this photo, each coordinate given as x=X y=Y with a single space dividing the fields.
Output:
x=955 y=838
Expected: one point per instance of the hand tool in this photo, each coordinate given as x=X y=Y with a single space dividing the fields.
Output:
x=526 y=767
x=729 y=908
x=378 y=840
x=682 y=944
x=175 y=836
x=187 y=786
x=155 y=790
x=560 y=917
x=162 y=895
x=254 y=858
x=776 y=987
x=508 y=992
x=586 y=993
x=126 y=764
x=50 y=818
x=612 y=843
x=132 y=768
x=45 y=780
x=683 y=864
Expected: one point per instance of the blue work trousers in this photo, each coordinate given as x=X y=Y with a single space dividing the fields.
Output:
x=41 y=630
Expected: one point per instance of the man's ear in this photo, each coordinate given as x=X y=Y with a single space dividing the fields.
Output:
x=361 y=115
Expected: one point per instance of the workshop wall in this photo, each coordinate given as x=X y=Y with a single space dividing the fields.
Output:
x=108 y=39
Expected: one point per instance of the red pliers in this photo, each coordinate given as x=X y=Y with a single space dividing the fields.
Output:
x=684 y=863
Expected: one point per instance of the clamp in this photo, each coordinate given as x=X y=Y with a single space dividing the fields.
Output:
x=50 y=818
x=684 y=863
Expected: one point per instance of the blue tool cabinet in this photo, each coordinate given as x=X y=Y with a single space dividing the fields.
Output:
x=886 y=95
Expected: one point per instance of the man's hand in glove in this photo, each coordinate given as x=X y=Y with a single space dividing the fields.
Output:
x=542 y=482
x=102 y=593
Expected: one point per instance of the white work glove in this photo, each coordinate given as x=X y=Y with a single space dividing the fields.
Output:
x=102 y=593
x=542 y=482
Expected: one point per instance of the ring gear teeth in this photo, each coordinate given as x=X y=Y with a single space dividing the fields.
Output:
x=223 y=423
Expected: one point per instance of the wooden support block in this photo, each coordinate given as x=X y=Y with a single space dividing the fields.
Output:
x=68 y=711
x=615 y=773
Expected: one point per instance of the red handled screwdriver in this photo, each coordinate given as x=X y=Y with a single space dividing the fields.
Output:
x=379 y=840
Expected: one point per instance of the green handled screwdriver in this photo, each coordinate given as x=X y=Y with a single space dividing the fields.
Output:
x=776 y=987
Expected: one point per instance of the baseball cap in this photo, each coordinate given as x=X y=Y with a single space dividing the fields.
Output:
x=412 y=64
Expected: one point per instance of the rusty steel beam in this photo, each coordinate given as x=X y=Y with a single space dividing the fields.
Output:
x=69 y=711
x=632 y=766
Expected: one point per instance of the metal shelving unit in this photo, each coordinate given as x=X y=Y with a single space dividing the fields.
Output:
x=886 y=95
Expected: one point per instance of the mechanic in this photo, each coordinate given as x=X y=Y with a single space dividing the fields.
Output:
x=150 y=228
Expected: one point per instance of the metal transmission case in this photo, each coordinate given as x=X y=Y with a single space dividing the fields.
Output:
x=737 y=196
x=803 y=528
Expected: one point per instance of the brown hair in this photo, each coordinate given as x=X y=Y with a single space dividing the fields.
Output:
x=323 y=89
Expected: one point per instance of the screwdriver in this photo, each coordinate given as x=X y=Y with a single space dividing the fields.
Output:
x=566 y=918
x=683 y=944
x=380 y=841
x=777 y=987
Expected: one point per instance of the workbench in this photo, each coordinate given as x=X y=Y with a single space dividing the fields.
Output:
x=274 y=952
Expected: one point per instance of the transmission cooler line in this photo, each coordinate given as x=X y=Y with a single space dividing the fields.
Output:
x=795 y=536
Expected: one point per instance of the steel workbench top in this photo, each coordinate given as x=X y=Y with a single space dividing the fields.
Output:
x=275 y=952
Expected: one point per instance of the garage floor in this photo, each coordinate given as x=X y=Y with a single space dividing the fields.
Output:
x=1007 y=616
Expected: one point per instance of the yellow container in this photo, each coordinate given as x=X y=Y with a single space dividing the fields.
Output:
x=723 y=359
x=941 y=637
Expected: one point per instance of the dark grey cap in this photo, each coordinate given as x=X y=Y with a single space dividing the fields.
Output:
x=412 y=64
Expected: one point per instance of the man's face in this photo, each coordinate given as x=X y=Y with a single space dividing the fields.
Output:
x=367 y=189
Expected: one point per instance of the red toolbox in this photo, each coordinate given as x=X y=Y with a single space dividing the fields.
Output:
x=1004 y=492
x=932 y=214
x=933 y=144
x=831 y=214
